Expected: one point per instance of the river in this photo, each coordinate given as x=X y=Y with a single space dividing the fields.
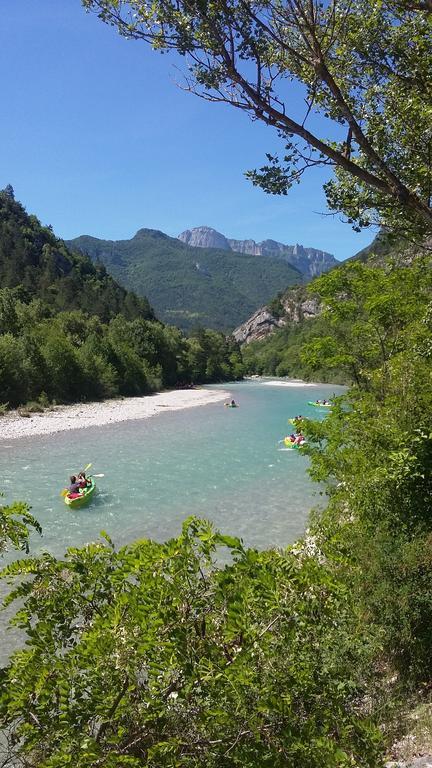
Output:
x=219 y=463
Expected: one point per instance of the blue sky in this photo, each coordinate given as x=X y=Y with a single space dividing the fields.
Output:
x=96 y=138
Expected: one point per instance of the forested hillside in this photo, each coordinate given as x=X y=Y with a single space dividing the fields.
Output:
x=191 y=287
x=69 y=332
x=39 y=266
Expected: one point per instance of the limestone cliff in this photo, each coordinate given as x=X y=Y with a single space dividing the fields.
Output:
x=204 y=237
x=309 y=261
x=293 y=307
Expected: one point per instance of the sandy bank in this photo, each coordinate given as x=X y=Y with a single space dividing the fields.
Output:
x=293 y=383
x=83 y=415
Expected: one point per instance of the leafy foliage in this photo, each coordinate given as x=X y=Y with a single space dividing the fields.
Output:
x=72 y=356
x=363 y=66
x=15 y=520
x=153 y=656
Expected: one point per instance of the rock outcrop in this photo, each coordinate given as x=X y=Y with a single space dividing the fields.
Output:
x=258 y=326
x=204 y=237
x=294 y=307
x=309 y=261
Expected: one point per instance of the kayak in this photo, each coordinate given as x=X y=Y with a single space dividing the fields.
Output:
x=228 y=405
x=83 y=498
x=320 y=405
x=288 y=444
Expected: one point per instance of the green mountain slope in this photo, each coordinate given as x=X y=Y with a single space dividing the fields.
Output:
x=40 y=264
x=190 y=286
x=69 y=332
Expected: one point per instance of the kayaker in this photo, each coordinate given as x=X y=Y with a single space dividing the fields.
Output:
x=83 y=480
x=75 y=485
x=299 y=439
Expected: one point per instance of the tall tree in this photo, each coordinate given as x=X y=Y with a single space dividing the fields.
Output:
x=363 y=65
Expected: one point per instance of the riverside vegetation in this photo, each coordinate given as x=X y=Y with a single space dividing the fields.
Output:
x=160 y=655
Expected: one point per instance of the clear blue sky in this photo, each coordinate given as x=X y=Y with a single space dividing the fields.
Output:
x=96 y=138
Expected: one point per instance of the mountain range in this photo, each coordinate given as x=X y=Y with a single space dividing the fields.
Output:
x=310 y=261
x=195 y=284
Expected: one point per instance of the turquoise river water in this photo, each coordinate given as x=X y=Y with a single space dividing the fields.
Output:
x=219 y=463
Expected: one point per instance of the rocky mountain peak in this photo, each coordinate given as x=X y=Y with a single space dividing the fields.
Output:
x=309 y=261
x=204 y=237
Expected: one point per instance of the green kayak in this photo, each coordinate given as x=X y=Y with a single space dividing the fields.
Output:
x=290 y=444
x=320 y=405
x=84 y=496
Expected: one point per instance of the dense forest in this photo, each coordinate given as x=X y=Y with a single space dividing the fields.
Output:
x=69 y=333
x=190 y=287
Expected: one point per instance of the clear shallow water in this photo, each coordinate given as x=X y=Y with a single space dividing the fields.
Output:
x=219 y=463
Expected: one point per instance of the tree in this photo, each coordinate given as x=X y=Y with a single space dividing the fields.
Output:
x=367 y=310
x=15 y=520
x=9 y=191
x=154 y=656
x=364 y=66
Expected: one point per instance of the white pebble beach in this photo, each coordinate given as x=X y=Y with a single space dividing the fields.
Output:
x=84 y=415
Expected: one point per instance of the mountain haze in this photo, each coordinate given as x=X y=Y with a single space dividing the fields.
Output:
x=309 y=261
x=188 y=286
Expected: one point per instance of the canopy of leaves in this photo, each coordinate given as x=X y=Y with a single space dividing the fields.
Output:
x=363 y=66
x=15 y=520
x=152 y=656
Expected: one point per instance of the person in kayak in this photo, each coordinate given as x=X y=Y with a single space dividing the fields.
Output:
x=83 y=480
x=74 y=488
x=299 y=439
